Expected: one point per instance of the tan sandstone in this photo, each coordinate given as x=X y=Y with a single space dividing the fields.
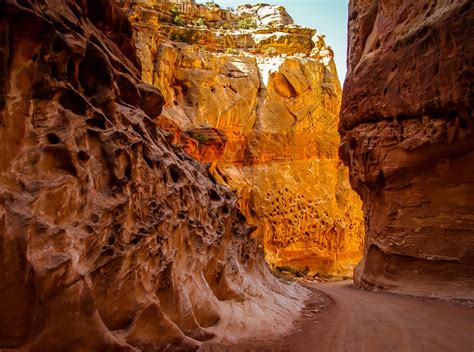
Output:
x=261 y=106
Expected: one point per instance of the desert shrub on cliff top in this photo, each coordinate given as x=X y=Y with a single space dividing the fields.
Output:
x=212 y=4
x=200 y=22
x=246 y=23
x=175 y=10
x=176 y=13
x=178 y=20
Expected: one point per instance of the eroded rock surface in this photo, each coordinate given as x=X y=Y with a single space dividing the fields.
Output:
x=111 y=239
x=257 y=97
x=407 y=126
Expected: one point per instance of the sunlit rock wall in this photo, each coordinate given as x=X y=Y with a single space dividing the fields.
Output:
x=261 y=106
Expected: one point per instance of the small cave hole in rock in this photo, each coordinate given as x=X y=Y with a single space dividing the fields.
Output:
x=59 y=45
x=83 y=155
x=56 y=157
x=147 y=159
x=97 y=121
x=98 y=12
x=135 y=240
x=71 y=75
x=108 y=252
x=214 y=195
x=94 y=71
x=175 y=173
x=53 y=138
x=159 y=239
x=128 y=90
x=24 y=3
x=72 y=101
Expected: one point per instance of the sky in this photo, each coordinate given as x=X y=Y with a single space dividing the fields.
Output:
x=328 y=16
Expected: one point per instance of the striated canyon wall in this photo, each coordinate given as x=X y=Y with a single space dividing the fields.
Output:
x=407 y=127
x=257 y=98
x=111 y=238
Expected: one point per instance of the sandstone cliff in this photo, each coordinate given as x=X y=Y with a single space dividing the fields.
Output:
x=407 y=126
x=111 y=239
x=257 y=97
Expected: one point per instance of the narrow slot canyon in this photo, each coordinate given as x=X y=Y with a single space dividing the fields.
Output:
x=185 y=176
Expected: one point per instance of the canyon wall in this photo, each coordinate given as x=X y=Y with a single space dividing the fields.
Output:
x=257 y=98
x=111 y=238
x=407 y=127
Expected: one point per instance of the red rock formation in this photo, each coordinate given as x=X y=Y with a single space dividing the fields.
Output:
x=407 y=126
x=110 y=238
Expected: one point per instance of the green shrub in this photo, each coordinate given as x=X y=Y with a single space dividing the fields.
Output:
x=212 y=4
x=246 y=23
x=178 y=20
x=201 y=138
x=200 y=22
x=176 y=13
x=230 y=51
x=178 y=38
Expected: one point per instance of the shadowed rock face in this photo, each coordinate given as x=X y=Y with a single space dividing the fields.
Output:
x=110 y=238
x=261 y=106
x=407 y=127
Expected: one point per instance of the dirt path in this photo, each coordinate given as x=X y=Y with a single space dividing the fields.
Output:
x=356 y=320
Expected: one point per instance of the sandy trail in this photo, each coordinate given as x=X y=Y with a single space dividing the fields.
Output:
x=357 y=320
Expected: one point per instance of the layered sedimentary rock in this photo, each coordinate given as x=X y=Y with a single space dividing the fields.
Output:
x=257 y=97
x=111 y=239
x=407 y=126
